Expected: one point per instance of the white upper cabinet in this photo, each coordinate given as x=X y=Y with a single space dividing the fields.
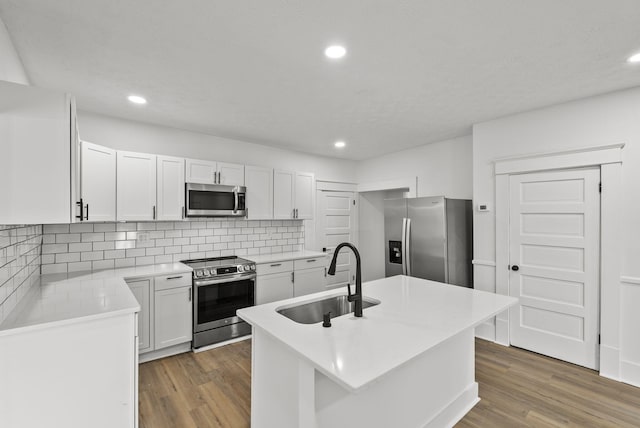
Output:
x=98 y=183
x=170 y=182
x=259 y=182
x=283 y=183
x=36 y=140
x=293 y=194
x=201 y=171
x=136 y=186
x=211 y=172
x=304 y=195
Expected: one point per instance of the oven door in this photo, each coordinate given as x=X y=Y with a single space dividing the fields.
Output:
x=206 y=200
x=216 y=301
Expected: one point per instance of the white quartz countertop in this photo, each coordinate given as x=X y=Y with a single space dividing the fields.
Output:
x=414 y=316
x=77 y=297
x=279 y=257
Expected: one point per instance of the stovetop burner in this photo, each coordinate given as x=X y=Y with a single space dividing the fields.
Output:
x=217 y=266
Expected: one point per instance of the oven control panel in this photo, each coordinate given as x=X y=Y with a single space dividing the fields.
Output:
x=225 y=270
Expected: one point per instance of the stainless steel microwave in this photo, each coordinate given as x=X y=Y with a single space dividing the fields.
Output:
x=215 y=200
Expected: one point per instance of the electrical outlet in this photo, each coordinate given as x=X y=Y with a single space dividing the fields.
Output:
x=143 y=236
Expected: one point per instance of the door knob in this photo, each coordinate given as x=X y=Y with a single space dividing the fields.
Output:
x=515 y=268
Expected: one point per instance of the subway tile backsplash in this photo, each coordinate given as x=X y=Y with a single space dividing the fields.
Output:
x=86 y=246
x=20 y=248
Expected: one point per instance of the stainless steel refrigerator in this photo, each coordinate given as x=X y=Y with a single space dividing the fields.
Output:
x=429 y=238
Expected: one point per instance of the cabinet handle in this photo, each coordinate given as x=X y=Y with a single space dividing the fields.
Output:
x=183 y=213
x=154 y=212
x=219 y=177
x=81 y=204
x=292 y=276
x=175 y=277
x=311 y=260
x=87 y=216
x=190 y=293
x=276 y=264
x=325 y=272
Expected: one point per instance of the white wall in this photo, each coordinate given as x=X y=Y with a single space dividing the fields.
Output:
x=598 y=121
x=11 y=68
x=442 y=168
x=146 y=138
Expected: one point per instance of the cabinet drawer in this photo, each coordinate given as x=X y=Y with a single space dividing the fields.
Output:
x=275 y=267
x=173 y=281
x=315 y=262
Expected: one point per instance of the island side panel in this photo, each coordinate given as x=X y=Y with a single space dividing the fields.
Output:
x=435 y=389
x=274 y=383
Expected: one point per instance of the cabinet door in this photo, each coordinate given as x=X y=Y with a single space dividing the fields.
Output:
x=231 y=174
x=201 y=171
x=283 y=182
x=308 y=281
x=170 y=181
x=173 y=317
x=141 y=289
x=304 y=191
x=35 y=156
x=98 y=182
x=259 y=182
x=136 y=186
x=274 y=287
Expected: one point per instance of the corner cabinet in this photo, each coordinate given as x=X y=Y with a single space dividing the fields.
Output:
x=98 y=182
x=166 y=314
x=211 y=172
x=39 y=147
x=293 y=194
x=136 y=186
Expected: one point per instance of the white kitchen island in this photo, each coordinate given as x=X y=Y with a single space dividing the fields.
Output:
x=408 y=362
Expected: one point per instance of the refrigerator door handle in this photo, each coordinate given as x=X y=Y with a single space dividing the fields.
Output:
x=403 y=246
x=407 y=244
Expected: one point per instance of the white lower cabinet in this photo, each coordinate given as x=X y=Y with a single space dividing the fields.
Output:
x=172 y=316
x=287 y=279
x=166 y=311
x=142 y=290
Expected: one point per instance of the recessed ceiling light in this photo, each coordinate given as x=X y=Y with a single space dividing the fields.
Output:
x=339 y=144
x=335 y=51
x=634 y=58
x=136 y=99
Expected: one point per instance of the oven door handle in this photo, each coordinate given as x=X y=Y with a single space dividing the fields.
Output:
x=201 y=283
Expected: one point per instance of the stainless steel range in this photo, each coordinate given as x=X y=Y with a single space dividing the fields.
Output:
x=221 y=286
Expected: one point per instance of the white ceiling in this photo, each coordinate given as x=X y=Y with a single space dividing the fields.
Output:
x=417 y=71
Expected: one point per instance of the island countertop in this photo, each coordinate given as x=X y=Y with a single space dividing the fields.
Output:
x=414 y=316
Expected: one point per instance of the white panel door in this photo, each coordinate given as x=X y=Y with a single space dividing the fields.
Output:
x=170 y=181
x=554 y=260
x=274 y=287
x=98 y=182
x=259 y=182
x=231 y=174
x=142 y=290
x=173 y=317
x=304 y=192
x=336 y=223
x=308 y=281
x=136 y=186
x=283 y=182
x=201 y=171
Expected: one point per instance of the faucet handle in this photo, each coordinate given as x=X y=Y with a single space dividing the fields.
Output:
x=350 y=295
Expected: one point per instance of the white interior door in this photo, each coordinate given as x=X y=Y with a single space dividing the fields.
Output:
x=336 y=223
x=554 y=259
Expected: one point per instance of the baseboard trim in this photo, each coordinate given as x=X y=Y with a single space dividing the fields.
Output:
x=630 y=373
x=486 y=331
x=610 y=362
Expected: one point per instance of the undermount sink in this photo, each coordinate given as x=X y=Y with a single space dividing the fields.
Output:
x=312 y=312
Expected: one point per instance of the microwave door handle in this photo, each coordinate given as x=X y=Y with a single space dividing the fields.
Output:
x=235 y=201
